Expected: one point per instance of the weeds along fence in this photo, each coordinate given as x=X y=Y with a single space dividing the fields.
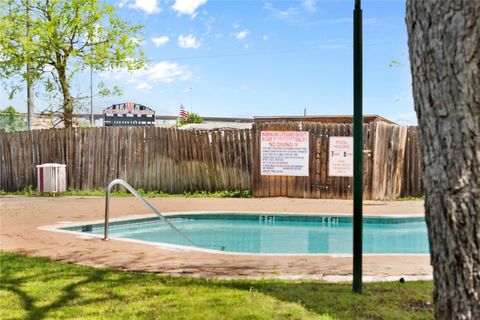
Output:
x=176 y=161
x=150 y=158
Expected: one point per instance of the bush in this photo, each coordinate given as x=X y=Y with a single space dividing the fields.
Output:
x=192 y=118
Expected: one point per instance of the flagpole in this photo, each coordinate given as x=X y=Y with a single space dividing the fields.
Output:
x=178 y=116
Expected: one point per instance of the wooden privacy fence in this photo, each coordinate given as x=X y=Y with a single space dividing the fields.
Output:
x=150 y=158
x=176 y=161
x=391 y=163
x=412 y=185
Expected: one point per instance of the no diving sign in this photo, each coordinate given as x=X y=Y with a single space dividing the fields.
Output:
x=340 y=154
x=284 y=153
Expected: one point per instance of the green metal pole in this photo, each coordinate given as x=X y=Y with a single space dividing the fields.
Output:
x=357 y=148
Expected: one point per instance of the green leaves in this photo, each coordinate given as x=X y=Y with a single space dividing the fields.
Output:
x=192 y=118
x=103 y=91
x=394 y=63
x=11 y=120
x=68 y=35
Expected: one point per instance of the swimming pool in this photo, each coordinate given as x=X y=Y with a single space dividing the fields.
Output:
x=273 y=233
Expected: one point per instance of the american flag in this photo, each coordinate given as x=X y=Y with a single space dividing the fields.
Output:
x=183 y=113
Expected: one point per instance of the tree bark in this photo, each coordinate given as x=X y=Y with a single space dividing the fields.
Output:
x=67 y=98
x=444 y=47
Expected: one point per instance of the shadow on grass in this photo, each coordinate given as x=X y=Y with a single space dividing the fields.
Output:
x=19 y=275
x=68 y=292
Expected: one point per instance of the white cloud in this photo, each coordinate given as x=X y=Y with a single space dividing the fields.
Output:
x=122 y=74
x=242 y=34
x=149 y=6
x=122 y=3
x=167 y=71
x=144 y=79
x=160 y=41
x=265 y=38
x=282 y=14
x=187 y=7
x=293 y=12
x=310 y=5
x=209 y=25
x=188 y=41
x=144 y=86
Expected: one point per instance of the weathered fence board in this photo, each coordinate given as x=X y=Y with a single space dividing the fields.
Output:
x=176 y=161
x=161 y=159
x=388 y=149
x=412 y=176
x=388 y=161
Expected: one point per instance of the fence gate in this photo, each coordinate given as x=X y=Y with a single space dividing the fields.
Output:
x=384 y=150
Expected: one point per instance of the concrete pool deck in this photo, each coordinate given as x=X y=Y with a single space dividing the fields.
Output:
x=22 y=217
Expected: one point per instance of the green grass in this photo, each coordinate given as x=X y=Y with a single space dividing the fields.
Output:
x=31 y=192
x=36 y=288
x=411 y=198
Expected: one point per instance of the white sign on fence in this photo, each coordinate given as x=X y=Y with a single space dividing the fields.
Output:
x=340 y=157
x=284 y=153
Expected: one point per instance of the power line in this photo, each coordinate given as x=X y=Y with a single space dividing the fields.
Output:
x=319 y=48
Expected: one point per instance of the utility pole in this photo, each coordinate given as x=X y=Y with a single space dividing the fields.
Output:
x=92 y=121
x=29 y=78
x=357 y=148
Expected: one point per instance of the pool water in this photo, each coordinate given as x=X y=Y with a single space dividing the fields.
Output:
x=281 y=234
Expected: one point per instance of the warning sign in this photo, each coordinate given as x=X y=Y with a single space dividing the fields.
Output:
x=284 y=153
x=340 y=154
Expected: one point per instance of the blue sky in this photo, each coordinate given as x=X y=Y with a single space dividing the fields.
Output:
x=251 y=58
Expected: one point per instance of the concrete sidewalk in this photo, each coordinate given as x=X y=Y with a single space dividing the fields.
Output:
x=22 y=216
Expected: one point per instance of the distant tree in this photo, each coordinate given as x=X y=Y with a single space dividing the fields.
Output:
x=60 y=38
x=192 y=118
x=444 y=45
x=11 y=120
x=394 y=63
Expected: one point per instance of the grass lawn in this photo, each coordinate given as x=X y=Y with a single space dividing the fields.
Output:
x=37 y=288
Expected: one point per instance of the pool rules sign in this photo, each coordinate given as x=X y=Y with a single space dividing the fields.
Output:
x=340 y=156
x=284 y=153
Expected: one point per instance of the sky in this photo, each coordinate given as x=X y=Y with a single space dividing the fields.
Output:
x=260 y=58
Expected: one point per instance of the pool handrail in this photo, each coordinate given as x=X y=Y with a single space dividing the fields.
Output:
x=142 y=200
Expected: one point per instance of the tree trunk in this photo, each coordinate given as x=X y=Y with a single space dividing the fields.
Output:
x=444 y=45
x=67 y=98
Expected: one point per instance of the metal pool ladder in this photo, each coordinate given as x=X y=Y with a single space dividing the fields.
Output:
x=142 y=200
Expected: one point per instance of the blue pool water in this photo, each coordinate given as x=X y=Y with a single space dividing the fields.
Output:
x=261 y=233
